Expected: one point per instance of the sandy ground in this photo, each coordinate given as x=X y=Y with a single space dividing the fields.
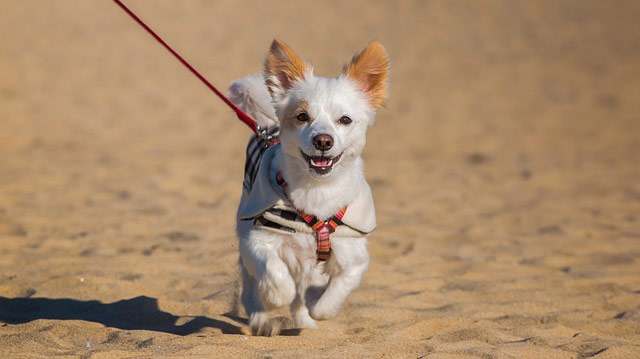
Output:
x=505 y=169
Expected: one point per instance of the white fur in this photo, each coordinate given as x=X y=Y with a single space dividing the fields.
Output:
x=282 y=270
x=251 y=95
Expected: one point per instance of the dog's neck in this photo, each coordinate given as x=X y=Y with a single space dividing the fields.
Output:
x=321 y=197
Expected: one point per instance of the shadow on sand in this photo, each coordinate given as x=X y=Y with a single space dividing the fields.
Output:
x=139 y=313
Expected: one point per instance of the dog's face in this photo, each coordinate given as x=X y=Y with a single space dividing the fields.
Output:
x=324 y=120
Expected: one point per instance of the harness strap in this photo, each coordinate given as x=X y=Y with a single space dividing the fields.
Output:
x=322 y=229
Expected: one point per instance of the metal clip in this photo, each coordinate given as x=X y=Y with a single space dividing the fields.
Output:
x=268 y=135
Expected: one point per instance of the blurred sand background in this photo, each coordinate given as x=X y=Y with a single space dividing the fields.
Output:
x=505 y=170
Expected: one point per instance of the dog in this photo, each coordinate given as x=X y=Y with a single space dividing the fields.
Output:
x=306 y=208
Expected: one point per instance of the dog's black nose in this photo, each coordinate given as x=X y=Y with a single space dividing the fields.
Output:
x=323 y=142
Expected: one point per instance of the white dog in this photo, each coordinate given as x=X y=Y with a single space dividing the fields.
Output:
x=306 y=207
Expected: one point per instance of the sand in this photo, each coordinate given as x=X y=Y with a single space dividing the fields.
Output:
x=505 y=170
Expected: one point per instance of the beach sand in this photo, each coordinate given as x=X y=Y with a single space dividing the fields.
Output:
x=505 y=170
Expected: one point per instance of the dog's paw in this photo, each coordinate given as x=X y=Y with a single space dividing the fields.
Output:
x=263 y=325
x=323 y=310
x=303 y=320
x=305 y=323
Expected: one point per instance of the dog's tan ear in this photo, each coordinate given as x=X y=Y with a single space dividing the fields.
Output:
x=282 y=68
x=370 y=70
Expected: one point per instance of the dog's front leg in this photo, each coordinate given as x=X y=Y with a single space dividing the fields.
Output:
x=348 y=263
x=271 y=283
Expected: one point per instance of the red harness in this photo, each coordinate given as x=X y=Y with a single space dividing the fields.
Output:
x=322 y=229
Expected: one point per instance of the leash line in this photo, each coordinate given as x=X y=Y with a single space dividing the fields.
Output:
x=242 y=116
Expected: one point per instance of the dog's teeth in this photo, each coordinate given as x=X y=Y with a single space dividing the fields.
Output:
x=321 y=163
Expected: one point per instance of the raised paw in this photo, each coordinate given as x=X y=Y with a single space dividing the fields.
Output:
x=323 y=310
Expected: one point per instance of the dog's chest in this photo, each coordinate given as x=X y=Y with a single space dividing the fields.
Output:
x=266 y=204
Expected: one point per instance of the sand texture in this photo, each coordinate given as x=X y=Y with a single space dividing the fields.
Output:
x=505 y=168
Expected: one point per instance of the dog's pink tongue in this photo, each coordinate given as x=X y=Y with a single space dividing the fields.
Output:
x=324 y=162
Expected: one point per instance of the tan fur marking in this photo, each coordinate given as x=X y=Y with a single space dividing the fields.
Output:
x=301 y=106
x=292 y=111
x=283 y=64
x=370 y=69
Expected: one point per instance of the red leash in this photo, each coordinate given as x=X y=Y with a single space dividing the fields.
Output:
x=242 y=116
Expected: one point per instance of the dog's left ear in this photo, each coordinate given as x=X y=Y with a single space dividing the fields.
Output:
x=370 y=70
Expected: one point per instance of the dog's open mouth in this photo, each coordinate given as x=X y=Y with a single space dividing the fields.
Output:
x=321 y=164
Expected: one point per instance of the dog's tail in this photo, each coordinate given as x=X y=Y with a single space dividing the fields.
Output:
x=251 y=95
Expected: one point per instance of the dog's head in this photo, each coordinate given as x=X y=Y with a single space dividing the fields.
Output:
x=324 y=120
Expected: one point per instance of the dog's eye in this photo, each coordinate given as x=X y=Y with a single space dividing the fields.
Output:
x=345 y=120
x=303 y=117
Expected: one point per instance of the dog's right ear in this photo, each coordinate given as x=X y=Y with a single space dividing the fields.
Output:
x=282 y=69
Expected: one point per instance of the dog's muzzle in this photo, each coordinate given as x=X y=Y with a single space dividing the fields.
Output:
x=321 y=164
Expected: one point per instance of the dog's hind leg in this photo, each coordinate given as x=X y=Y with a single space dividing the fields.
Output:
x=312 y=282
x=300 y=313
